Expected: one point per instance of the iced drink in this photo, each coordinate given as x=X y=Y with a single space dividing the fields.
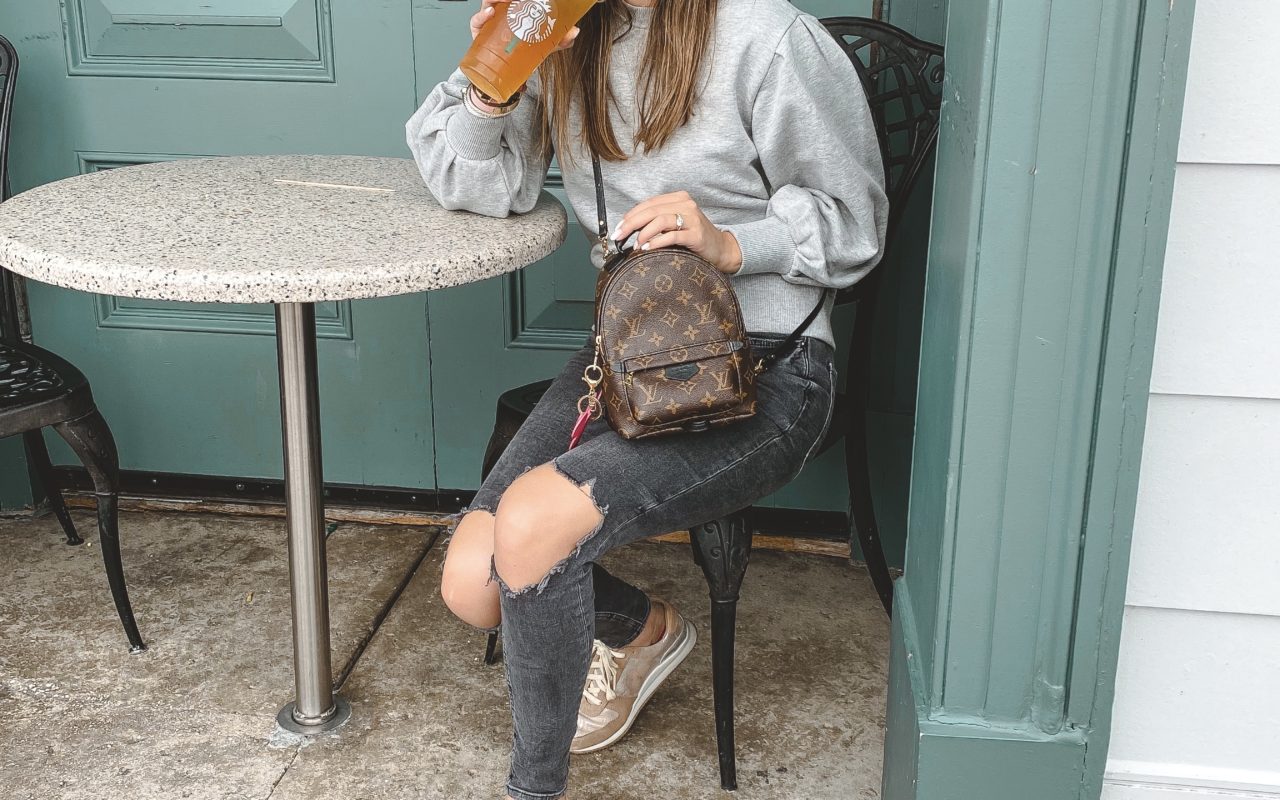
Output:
x=516 y=39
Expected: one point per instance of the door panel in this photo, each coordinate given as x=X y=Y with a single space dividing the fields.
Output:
x=192 y=388
x=269 y=39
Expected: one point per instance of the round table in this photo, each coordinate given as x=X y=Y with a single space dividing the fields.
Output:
x=286 y=230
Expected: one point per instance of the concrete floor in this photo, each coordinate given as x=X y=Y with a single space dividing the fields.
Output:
x=193 y=717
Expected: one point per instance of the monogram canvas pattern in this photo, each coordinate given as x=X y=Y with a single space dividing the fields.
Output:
x=672 y=345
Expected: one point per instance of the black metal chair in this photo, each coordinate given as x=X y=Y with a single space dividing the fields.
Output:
x=902 y=78
x=38 y=389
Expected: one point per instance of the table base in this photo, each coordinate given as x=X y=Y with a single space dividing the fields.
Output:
x=338 y=716
x=315 y=708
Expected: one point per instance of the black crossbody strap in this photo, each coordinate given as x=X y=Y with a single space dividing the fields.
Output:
x=602 y=220
x=602 y=217
x=790 y=342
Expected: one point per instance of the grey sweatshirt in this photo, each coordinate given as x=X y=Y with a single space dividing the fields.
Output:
x=781 y=151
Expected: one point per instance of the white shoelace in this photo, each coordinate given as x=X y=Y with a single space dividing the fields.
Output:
x=602 y=677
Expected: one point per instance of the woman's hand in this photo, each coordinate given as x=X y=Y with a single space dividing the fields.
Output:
x=675 y=219
x=487 y=11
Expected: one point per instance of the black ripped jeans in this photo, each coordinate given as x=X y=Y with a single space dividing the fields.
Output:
x=642 y=488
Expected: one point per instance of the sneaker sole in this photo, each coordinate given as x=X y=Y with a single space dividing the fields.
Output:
x=665 y=667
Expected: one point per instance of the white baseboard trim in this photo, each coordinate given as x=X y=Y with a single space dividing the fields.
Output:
x=1116 y=790
x=1193 y=780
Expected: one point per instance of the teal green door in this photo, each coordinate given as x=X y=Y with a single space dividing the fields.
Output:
x=408 y=384
x=193 y=388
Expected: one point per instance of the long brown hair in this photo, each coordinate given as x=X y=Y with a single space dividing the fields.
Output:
x=668 y=79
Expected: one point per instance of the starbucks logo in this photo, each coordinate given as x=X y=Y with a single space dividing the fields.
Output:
x=530 y=20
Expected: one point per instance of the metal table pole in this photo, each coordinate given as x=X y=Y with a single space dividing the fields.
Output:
x=316 y=708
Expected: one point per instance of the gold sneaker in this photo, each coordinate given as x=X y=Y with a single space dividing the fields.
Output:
x=620 y=682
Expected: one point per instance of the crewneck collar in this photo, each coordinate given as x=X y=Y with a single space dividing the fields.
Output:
x=641 y=16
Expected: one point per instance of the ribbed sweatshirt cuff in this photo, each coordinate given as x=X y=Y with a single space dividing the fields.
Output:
x=766 y=246
x=474 y=137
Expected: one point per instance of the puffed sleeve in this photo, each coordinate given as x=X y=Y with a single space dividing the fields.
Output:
x=827 y=214
x=474 y=163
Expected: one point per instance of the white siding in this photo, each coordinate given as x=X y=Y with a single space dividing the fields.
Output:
x=1197 y=713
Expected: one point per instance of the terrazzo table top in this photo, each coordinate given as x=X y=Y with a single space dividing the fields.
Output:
x=263 y=229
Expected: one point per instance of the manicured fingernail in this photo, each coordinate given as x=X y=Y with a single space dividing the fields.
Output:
x=644 y=246
x=617 y=231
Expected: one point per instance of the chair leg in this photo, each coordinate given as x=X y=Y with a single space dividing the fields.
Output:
x=491 y=649
x=722 y=548
x=91 y=439
x=862 y=510
x=38 y=456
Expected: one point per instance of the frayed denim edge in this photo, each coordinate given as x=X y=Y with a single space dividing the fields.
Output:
x=452 y=525
x=588 y=488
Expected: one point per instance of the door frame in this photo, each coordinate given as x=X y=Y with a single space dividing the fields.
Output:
x=1051 y=210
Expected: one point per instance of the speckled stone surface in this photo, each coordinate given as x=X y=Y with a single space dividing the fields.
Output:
x=253 y=229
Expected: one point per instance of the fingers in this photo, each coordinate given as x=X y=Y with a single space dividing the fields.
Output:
x=643 y=214
x=568 y=39
x=671 y=239
x=664 y=221
x=482 y=16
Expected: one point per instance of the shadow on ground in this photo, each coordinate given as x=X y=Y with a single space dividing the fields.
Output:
x=193 y=716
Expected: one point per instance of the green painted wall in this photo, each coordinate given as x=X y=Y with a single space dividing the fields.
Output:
x=1050 y=216
x=192 y=388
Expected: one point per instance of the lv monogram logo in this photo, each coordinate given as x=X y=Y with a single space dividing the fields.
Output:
x=633 y=325
x=704 y=313
x=722 y=381
x=650 y=393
